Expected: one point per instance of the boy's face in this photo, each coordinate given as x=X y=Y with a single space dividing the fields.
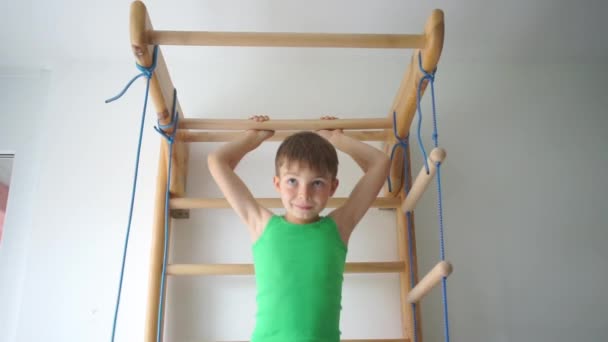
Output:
x=304 y=192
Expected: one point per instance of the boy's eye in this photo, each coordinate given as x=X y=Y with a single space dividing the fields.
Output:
x=318 y=183
x=291 y=181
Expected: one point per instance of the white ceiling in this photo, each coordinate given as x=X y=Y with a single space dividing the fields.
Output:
x=41 y=33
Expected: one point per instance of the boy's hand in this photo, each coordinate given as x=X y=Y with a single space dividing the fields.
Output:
x=261 y=134
x=329 y=133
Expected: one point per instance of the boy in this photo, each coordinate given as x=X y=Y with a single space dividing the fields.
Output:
x=299 y=258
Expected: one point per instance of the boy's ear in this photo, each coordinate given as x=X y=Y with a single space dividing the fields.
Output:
x=276 y=181
x=334 y=186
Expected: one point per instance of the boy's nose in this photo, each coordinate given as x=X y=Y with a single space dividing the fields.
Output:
x=303 y=192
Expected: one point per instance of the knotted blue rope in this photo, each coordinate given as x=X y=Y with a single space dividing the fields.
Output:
x=401 y=142
x=147 y=72
x=431 y=78
x=444 y=293
x=170 y=139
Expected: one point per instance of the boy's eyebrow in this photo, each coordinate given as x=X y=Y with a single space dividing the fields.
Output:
x=286 y=174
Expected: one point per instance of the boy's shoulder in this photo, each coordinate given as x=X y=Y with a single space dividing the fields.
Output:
x=343 y=225
x=260 y=224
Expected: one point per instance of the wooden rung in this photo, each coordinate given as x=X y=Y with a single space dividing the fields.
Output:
x=284 y=39
x=440 y=271
x=247 y=269
x=276 y=125
x=197 y=136
x=423 y=180
x=217 y=203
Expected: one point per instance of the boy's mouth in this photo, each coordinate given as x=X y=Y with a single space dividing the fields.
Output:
x=303 y=207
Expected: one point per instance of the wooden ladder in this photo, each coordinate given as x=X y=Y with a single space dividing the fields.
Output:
x=429 y=44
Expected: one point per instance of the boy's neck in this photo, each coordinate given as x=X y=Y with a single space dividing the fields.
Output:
x=289 y=219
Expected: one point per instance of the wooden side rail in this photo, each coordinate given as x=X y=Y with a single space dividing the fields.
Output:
x=287 y=39
x=276 y=125
x=405 y=102
x=247 y=269
x=198 y=136
x=440 y=271
x=161 y=93
x=161 y=90
x=215 y=203
x=423 y=180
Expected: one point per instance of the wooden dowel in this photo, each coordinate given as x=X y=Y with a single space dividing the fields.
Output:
x=197 y=136
x=275 y=125
x=423 y=180
x=283 y=39
x=247 y=269
x=215 y=203
x=440 y=271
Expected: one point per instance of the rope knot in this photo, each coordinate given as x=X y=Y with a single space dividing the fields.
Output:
x=172 y=124
x=427 y=75
x=147 y=72
x=401 y=142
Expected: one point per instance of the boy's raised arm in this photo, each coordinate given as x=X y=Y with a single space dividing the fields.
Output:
x=222 y=163
x=376 y=166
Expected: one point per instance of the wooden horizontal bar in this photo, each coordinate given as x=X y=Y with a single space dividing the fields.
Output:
x=286 y=39
x=440 y=271
x=215 y=203
x=247 y=269
x=275 y=125
x=197 y=136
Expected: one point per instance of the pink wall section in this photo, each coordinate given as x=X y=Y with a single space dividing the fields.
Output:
x=3 y=199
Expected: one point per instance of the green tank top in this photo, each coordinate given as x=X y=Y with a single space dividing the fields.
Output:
x=299 y=272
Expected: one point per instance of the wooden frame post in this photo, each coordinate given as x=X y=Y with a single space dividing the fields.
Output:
x=405 y=280
x=405 y=103
x=161 y=93
x=405 y=106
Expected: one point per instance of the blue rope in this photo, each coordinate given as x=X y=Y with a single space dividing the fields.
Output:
x=444 y=294
x=431 y=78
x=401 y=142
x=147 y=72
x=412 y=278
x=170 y=139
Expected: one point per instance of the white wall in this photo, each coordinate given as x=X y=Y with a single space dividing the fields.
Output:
x=66 y=239
x=525 y=197
x=23 y=94
x=523 y=200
